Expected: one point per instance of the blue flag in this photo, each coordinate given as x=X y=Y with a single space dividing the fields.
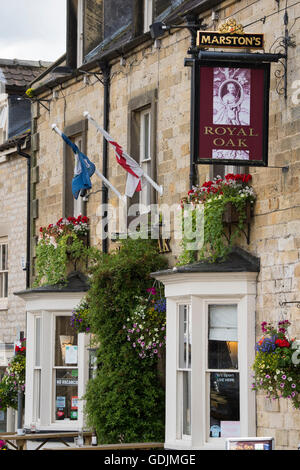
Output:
x=84 y=169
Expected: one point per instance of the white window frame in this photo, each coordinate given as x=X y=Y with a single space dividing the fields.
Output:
x=145 y=157
x=4 y=272
x=218 y=440
x=183 y=369
x=80 y=33
x=55 y=368
x=200 y=290
x=148 y=14
x=45 y=306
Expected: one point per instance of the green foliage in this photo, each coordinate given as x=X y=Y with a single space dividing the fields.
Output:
x=210 y=235
x=276 y=368
x=14 y=378
x=53 y=260
x=125 y=401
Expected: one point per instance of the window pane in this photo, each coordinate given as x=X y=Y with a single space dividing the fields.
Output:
x=38 y=322
x=224 y=404
x=185 y=337
x=5 y=284
x=186 y=404
x=146 y=136
x=37 y=394
x=66 y=394
x=65 y=342
x=222 y=337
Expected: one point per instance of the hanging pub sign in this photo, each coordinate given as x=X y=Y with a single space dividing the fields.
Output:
x=231 y=113
x=231 y=99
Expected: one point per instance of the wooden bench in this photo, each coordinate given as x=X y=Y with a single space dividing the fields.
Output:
x=19 y=442
x=132 y=446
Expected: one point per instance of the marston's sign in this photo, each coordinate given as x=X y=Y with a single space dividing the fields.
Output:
x=216 y=39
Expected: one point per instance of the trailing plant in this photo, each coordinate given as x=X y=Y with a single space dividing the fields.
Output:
x=146 y=326
x=80 y=318
x=125 y=401
x=276 y=366
x=62 y=247
x=211 y=200
x=14 y=378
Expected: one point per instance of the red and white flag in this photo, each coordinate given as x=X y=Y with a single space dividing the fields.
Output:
x=136 y=176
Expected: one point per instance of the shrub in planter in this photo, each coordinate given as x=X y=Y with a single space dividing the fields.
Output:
x=222 y=201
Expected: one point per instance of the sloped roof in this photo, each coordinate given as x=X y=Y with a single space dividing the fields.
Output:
x=238 y=260
x=19 y=73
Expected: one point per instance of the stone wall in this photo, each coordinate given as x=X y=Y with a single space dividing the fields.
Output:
x=13 y=184
x=276 y=223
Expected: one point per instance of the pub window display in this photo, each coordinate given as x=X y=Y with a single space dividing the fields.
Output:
x=223 y=371
x=66 y=370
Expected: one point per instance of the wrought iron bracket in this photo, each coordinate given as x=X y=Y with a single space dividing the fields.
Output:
x=281 y=46
x=297 y=302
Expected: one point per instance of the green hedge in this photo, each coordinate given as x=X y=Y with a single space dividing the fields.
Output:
x=125 y=401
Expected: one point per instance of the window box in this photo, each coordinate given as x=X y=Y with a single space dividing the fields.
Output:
x=231 y=215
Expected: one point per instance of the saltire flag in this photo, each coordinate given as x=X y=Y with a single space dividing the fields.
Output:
x=136 y=176
x=84 y=169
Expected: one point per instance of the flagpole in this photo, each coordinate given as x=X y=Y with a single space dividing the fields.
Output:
x=97 y=172
x=158 y=188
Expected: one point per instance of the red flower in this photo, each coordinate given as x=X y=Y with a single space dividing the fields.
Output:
x=282 y=343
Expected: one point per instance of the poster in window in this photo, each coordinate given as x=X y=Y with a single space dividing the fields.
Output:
x=232 y=107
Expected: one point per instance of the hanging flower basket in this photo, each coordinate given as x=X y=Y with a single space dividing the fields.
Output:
x=227 y=206
x=231 y=215
x=276 y=366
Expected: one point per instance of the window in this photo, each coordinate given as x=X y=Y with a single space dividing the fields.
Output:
x=141 y=146
x=3 y=269
x=148 y=15
x=145 y=154
x=37 y=369
x=222 y=372
x=184 y=372
x=65 y=370
x=209 y=353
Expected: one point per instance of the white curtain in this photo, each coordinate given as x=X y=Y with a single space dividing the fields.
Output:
x=223 y=323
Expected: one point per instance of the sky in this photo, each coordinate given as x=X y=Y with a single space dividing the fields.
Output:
x=32 y=29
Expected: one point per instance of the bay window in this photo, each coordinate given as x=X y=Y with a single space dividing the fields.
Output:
x=209 y=353
x=57 y=358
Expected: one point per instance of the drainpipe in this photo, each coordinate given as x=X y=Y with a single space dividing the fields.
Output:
x=105 y=69
x=28 y=158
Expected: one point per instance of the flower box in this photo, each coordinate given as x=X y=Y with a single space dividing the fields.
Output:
x=231 y=214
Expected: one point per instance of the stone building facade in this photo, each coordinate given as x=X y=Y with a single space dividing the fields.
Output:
x=150 y=75
x=15 y=109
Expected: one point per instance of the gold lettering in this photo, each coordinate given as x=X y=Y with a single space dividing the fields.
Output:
x=228 y=40
x=220 y=130
x=222 y=40
x=219 y=142
x=249 y=41
x=208 y=130
x=205 y=39
x=215 y=40
x=251 y=130
x=241 y=132
x=231 y=131
x=242 y=143
x=241 y=40
x=230 y=143
x=258 y=42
